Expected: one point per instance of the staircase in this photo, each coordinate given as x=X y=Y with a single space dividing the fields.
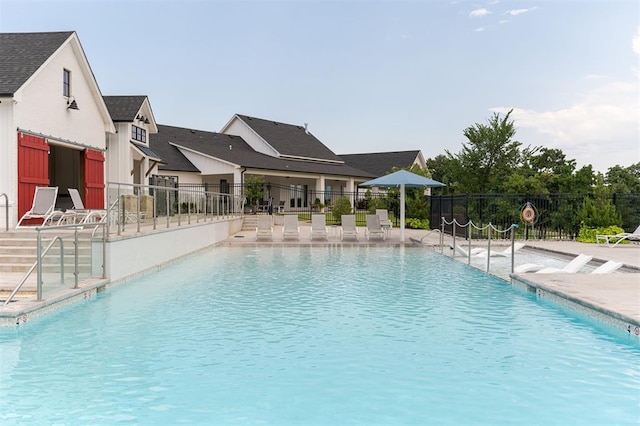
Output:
x=18 y=252
x=250 y=222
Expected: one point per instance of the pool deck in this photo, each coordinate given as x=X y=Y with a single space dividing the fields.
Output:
x=615 y=298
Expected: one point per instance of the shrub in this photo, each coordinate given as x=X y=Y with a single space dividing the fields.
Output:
x=588 y=234
x=341 y=206
x=414 y=223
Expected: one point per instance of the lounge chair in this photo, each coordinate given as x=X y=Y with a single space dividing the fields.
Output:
x=374 y=229
x=79 y=214
x=607 y=267
x=572 y=267
x=290 y=230
x=319 y=227
x=348 y=228
x=618 y=238
x=265 y=227
x=386 y=224
x=499 y=253
x=43 y=207
x=461 y=251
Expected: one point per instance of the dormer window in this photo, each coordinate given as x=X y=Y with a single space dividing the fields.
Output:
x=138 y=134
x=66 y=83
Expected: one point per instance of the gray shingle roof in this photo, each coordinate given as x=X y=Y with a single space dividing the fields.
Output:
x=21 y=54
x=380 y=163
x=235 y=150
x=123 y=108
x=289 y=139
x=173 y=158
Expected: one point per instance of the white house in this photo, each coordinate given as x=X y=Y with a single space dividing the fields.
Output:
x=53 y=120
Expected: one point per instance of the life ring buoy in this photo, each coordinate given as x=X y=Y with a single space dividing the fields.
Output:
x=528 y=214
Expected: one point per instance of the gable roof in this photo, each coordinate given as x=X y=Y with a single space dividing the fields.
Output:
x=124 y=108
x=172 y=157
x=22 y=54
x=381 y=163
x=234 y=150
x=289 y=140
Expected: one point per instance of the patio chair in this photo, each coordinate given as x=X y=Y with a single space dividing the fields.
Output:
x=44 y=203
x=607 y=267
x=79 y=214
x=374 y=229
x=265 y=227
x=319 y=227
x=572 y=267
x=500 y=253
x=281 y=207
x=386 y=224
x=618 y=238
x=348 y=228
x=290 y=230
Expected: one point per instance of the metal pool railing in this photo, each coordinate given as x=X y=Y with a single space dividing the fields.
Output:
x=136 y=205
x=59 y=231
x=470 y=226
x=6 y=210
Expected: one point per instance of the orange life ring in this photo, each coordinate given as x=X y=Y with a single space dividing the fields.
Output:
x=528 y=215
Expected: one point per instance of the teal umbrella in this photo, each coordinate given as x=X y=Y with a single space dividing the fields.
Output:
x=402 y=179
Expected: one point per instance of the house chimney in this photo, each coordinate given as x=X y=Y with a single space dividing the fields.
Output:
x=305 y=128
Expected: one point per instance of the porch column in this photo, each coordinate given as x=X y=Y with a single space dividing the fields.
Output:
x=320 y=188
x=351 y=190
x=237 y=181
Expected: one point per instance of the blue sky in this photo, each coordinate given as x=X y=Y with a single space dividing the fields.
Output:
x=372 y=76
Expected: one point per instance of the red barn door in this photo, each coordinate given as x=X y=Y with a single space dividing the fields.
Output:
x=33 y=170
x=93 y=179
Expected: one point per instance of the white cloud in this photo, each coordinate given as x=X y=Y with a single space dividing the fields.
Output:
x=635 y=42
x=479 y=29
x=503 y=21
x=516 y=12
x=479 y=12
x=601 y=128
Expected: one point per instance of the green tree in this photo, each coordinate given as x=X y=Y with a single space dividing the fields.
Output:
x=488 y=158
x=341 y=206
x=254 y=188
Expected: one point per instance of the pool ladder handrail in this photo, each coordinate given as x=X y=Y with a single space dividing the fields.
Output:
x=6 y=211
x=38 y=264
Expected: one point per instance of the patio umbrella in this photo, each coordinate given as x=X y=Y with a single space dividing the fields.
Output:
x=402 y=179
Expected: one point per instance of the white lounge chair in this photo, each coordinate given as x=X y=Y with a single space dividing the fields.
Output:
x=386 y=224
x=618 y=238
x=607 y=267
x=79 y=214
x=464 y=253
x=290 y=230
x=572 y=267
x=348 y=228
x=319 y=227
x=264 y=231
x=374 y=229
x=499 y=253
x=44 y=203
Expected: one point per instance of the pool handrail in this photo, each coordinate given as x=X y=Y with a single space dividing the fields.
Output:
x=470 y=225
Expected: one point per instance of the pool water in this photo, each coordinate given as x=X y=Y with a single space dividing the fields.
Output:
x=318 y=336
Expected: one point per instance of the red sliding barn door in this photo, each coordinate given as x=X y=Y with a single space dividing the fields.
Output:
x=33 y=170
x=93 y=179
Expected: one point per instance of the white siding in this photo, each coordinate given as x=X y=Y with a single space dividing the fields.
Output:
x=42 y=108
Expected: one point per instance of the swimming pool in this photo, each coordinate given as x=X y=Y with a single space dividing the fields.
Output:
x=317 y=335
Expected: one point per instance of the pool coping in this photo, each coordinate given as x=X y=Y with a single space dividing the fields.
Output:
x=576 y=291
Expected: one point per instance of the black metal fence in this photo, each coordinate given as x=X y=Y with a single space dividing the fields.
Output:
x=555 y=215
